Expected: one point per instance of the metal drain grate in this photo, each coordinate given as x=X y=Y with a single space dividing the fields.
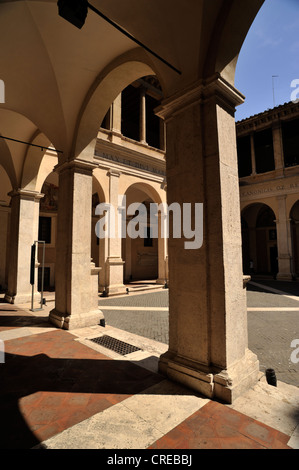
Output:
x=120 y=347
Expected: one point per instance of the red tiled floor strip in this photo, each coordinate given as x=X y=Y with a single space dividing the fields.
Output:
x=50 y=382
x=216 y=426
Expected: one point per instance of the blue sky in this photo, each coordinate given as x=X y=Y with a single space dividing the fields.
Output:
x=271 y=48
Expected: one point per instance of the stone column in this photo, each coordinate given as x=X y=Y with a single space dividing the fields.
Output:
x=76 y=277
x=253 y=162
x=278 y=147
x=24 y=220
x=208 y=342
x=283 y=240
x=142 y=121
x=114 y=263
x=128 y=259
x=116 y=115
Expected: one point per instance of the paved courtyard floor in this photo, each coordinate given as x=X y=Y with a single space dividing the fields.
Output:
x=273 y=321
x=61 y=390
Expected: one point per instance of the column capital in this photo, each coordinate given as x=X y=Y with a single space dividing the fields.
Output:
x=77 y=165
x=200 y=92
x=282 y=197
x=26 y=194
x=115 y=173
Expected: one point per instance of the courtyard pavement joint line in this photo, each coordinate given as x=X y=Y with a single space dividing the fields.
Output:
x=135 y=309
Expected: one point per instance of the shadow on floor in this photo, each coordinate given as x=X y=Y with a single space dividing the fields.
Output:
x=50 y=382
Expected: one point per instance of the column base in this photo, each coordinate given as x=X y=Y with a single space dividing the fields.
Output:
x=225 y=385
x=115 y=268
x=71 y=322
x=161 y=282
x=21 y=298
x=116 y=289
x=284 y=277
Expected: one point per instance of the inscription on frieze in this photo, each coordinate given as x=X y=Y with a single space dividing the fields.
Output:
x=271 y=189
x=124 y=161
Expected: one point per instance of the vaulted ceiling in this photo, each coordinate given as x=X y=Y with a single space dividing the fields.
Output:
x=51 y=68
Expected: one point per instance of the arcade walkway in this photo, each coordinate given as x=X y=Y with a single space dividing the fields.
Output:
x=62 y=390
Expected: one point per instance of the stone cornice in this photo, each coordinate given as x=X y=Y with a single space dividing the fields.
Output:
x=26 y=194
x=268 y=118
x=82 y=166
x=215 y=87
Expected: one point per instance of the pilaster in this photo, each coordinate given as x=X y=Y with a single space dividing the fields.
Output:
x=283 y=241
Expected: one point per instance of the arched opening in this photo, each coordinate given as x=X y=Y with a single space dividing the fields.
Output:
x=98 y=246
x=111 y=84
x=294 y=216
x=259 y=240
x=47 y=233
x=143 y=256
x=47 y=230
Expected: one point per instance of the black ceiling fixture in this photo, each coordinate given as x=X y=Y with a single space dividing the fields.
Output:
x=31 y=145
x=75 y=11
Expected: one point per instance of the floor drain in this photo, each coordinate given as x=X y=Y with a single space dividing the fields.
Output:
x=120 y=347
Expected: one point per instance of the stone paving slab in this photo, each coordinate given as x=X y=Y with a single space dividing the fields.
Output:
x=59 y=393
x=50 y=382
x=217 y=427
x=271 y=332
x=150 y=299
x=53 y=381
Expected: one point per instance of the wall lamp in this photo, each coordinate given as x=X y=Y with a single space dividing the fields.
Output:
x=75 y=12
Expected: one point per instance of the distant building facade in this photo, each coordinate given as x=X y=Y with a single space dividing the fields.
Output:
x=268 y=161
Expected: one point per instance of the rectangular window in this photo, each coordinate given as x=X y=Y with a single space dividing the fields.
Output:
x=264 y=152
x=290 y=137
x=244 y=156
x=44 y=230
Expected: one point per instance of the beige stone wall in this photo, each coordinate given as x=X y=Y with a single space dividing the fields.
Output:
x=277 y=189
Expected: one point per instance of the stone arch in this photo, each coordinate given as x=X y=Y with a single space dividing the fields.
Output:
x=246 y=206
x=106 y=88
x=146 y=188
x=231 y=27
x=7 y=163
x=38 y=164
x=294 y=221
x=259 y=239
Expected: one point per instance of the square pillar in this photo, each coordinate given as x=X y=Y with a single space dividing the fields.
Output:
x=76 y=277
x=24 y=220
x=283 y=241
x=208 y=339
